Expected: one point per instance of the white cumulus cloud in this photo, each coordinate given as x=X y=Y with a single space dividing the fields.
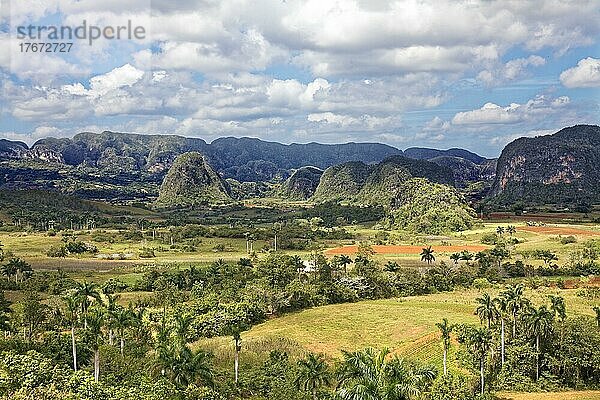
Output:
x=586 y=74
x=535 y=109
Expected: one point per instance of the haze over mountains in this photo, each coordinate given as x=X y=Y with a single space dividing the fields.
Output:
x=559 y=168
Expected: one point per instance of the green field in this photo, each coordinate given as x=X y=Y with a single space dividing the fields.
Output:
x=406 y=326
x=34 y=246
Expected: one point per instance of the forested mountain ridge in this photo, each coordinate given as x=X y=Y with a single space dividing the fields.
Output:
x=358 y=182
x=424 y=153
x=123 y=166
x=467 y=166
x=563 y=168
x=558 y=169
x=244 y=159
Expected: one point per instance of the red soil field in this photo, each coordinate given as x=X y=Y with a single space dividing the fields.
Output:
x=576 y=283
x=405 y=249
x=555 y=230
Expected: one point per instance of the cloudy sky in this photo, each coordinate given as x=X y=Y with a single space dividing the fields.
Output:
x=472 y=74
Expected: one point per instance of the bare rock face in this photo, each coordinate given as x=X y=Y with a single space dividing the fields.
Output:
x=191 y=182
x=563 y=168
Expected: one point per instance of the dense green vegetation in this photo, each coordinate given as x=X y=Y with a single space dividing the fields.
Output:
x=359 y=183
x=302 y=184
x=72 y=338
x=422 y=206
x=192 y=182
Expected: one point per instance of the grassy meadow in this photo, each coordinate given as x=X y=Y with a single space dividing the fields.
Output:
x=406 y=326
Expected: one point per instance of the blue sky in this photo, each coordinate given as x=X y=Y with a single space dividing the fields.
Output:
x=408 y=73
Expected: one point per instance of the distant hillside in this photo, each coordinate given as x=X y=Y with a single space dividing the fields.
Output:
x=423 y=153
x=468 y=167
x=227 y=152
x=556 y=169
x=466 y=171
x=302 y=184
x=191 y=181
x=375 y=184
x=123 y=166
x=342 y=182
x=244 y=159
x=10 y=149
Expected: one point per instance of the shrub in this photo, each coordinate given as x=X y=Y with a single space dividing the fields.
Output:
x=57 y=251
x=568 y=239
x=481 y=283
x=489 y=238
x=147 y=252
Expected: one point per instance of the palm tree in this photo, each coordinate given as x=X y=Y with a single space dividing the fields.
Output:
x=140 y=332
x=313 y=374
x=9 y=270
x=86 y=293
x=480 y=342
x=164 y=350
x=366 y=375
x=112 y=307
x=502 y=307
x=500 y=230
x=237 y=338
x=455 y=257
x=72 y=303
x=515 y=302
x=445 y=329
x=177 y=362
x=247 y=236
x=597 y=311
x=95 y=321
x=188 y=367
x=236 y=332
x=558 y=307
x=486 y=309
x=499 y=253
x=511 y=230
x=122 y=320
x=539 y=322
x=466 y=255
x=251 y=240
x=427 y=255
x=18 y=267
x=245 y=262
x=345 y=260
x=183 y=322
x=481 y=256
